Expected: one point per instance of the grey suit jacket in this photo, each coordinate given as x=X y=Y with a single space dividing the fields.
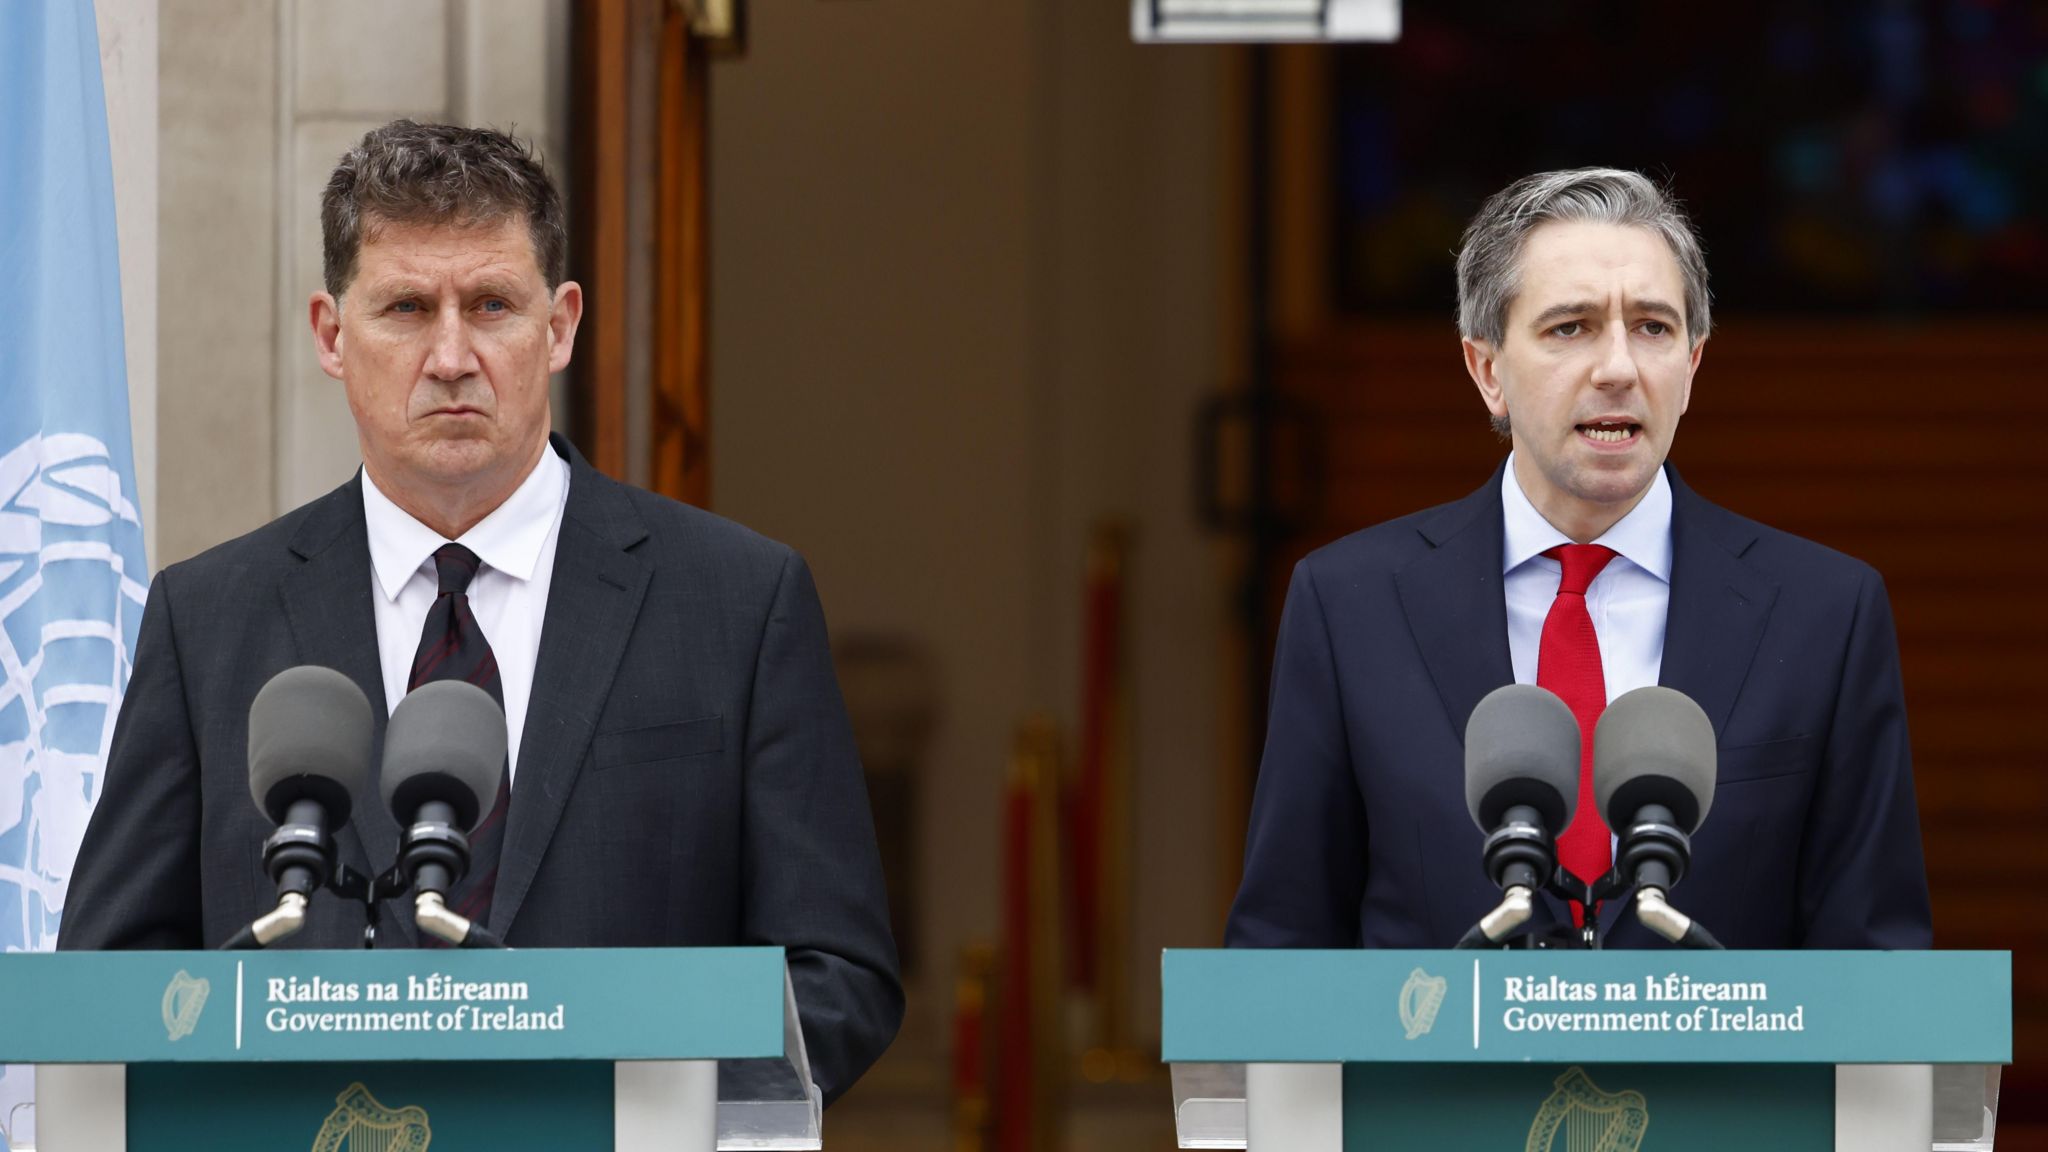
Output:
x=687 y=775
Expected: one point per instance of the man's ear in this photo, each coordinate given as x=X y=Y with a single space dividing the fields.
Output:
x=324 y=312
x=563 y=318
x=1691 y=370
x=1482 y=363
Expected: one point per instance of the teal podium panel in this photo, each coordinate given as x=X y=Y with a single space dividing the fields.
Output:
x=1547 y=1051
x=601 y=1049
x=541 y=1004
x=394 y=1107
x=1494 y=1006
x=1553 y=1108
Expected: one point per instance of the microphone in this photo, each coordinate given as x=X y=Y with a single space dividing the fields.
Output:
x=444 y=751
x=1654 y=762
x=1521 y=787
x=309 y=753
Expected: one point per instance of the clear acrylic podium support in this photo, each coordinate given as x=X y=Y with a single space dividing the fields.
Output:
x=733 y=1105
x=1965 y=1107
x=771 y=1104
x=1208 y=1105
x=1878 y=1107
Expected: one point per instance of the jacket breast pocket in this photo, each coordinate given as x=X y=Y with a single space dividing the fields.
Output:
x=655 y=742
x=1765 y=760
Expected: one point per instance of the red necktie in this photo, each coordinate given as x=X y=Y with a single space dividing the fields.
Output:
x=1568 y=663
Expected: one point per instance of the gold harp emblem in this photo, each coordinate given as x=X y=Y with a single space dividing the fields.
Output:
x=1421 y=997
x=360 y=1124
x=1591 y=1120
x=184 y=999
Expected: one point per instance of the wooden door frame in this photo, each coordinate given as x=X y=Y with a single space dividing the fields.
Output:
x=674 y=422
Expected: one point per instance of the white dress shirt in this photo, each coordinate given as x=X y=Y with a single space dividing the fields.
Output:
x=509 y=595
x=1628 y=600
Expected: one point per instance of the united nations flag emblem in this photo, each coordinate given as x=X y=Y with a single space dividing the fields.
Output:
x=1588 y=1117
x=1421 y=997
x=184 y=1000
x=360 y=1124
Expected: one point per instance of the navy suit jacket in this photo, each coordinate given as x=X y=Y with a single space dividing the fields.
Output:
x=1359 y=833
x=687 y=775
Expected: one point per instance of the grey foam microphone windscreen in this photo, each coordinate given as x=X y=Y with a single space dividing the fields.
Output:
x=1654 y=746
x=446 y=742
x=1521 y=748
x=309 y=739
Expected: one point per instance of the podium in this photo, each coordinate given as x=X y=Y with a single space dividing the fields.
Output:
x=625 y=1049
x=1557 y=1051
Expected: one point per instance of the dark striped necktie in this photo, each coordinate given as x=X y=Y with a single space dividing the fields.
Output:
x=452 y=647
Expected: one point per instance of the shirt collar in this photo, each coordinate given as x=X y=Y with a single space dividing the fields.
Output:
x=1643 y=537
x=509 y=539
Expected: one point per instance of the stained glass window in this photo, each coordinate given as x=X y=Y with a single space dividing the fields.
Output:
x=1855 y=156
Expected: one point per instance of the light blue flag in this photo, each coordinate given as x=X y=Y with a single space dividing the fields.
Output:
x=72 y=573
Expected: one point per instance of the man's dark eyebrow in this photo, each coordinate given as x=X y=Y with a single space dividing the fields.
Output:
x=1563 y=311
x=384 y=288
x=1582 y=307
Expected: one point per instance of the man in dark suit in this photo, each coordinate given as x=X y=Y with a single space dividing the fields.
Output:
x=1584 y=309
x=682 y=769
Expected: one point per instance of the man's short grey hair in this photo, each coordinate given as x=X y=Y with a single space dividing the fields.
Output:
x=408 y=173
x=1490 y=260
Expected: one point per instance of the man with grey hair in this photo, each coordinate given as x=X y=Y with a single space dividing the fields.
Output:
x=681 y=771
x=1587 y=567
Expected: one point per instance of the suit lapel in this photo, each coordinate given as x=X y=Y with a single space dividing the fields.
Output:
x=1452 y=598
x=593 y=599
x=1457 y=610
x=327 y=604
x=1719 y=608
x=1719 y=605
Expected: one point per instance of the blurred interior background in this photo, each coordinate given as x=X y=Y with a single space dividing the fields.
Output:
x=1053 y=351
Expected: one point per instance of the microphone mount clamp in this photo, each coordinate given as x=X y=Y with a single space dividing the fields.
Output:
x=1654 y=854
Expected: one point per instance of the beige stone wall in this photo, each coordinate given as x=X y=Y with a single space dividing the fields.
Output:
x=216 y=272
x=128 y=72
x=260 y=98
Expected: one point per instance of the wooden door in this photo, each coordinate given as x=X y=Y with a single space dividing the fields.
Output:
x=638 y=208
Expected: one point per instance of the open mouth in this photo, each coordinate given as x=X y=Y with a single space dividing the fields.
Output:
x=1610 y=431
